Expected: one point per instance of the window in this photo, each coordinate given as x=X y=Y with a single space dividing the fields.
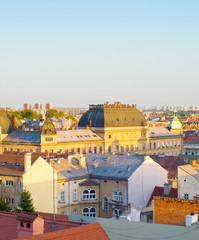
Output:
x=171 y=144
x=117 y=212
x=78 y=150
x=179 y=143
x=150 y=146
x=154 y=145
x=9 y=183
x=63 y=213
x=75 y=211
x=100 y=149
x=117 y=148
x=0 y=181
x=117 y=195
x=89 y=194
x=158 y=145
x=186 y=196
x=62 y=197
x=105 y=203
x=95 y=150
x=163 y=145
x=89 y=211
x=167 y=144
x=143 y=146
x=49 y=139
x=175 y=144
x=75 y=195
x=109 y=149
x=9 y=200
x=89 y=150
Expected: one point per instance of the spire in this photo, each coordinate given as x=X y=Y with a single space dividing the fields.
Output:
x=175 y=122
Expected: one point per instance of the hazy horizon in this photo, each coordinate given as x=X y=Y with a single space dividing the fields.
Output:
x=76 y=53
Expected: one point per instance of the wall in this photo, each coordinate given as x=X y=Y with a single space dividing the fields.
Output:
x=143 y=181
x=172 y=210
x=39 y=181
x=187 y=184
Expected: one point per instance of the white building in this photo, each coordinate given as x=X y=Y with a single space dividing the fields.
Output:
x=188 y=180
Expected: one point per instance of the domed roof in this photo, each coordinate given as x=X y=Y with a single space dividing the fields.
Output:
x=115 y=115
x=6 y=122
x=175 y=122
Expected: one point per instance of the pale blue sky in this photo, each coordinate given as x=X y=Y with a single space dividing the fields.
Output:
x=73 y=53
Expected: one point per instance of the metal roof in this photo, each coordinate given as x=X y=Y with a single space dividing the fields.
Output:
x=23 y=137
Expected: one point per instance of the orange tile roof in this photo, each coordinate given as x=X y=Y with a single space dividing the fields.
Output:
x=92 y=231
x=8 y=224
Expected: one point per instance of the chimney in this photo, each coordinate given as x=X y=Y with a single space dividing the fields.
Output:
x=13 y=122
x=167 y=188
x=27 y=161
x=191 y=219
x=82 y=161
x=193 y=163
x=29 y=224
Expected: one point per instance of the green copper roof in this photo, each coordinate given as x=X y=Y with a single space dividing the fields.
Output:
x=175 y=122
x=112 y=116
x=6 y=123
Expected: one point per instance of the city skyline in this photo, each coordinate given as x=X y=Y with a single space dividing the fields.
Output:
x=76 y=54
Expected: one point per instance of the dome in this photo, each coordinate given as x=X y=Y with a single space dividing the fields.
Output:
x=6 y=122
x=115 y=115
x=175 y=122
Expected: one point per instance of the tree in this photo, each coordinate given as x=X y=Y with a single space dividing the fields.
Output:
x=4 y=206
x=26 y=203
x=56 y=114
x=29 y=114
x=71 y=117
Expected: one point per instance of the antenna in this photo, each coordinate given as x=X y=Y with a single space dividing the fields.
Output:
x=53 y=192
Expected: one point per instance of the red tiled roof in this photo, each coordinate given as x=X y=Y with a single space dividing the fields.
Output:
x=191 y=139
x=8 y=225
x=26 y=216
x=92 y=231
x=159 y=192
x=170 y=163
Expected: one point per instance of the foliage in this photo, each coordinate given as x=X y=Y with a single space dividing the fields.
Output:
x=29 y=114
x=56 y=114
x=18 y=115
x=26 y=202
x=4 y=206
x=71 y=117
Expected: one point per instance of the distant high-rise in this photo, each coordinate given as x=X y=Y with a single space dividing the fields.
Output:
x=38 y=106
x=49 y=105
x=26 y=106
x=145 y=108
x=157 y=108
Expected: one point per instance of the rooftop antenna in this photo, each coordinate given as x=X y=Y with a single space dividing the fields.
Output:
x=53 y=192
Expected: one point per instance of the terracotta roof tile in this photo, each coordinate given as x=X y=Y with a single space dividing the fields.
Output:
x=26 y=216
x=159 y=192
x=92 y=231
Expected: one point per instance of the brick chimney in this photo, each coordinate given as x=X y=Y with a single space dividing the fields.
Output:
x=29 y=224
x=13 y=122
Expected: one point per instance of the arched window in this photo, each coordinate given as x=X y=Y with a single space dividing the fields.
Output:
x=89 y=211
x=89 y=194
x=117 y=212
x=117 y=195
x=105 y=203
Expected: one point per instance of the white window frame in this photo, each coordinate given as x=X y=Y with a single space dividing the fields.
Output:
x=75 y=211
x=62 y=197
x=117 y=195
x=75 y=195
x=90 y=194
x=186 y=196
x=9 y=183
x=89 y=213
x=105 y=203
x=9 y=200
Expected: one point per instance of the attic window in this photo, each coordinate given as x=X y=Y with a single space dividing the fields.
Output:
x=28 y=225
x=3 y=164
x=117 y=119
x=133 y=119
x=69 y=171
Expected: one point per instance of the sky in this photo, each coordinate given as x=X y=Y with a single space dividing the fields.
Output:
x=76 y=53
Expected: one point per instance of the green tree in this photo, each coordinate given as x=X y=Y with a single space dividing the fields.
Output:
x=4 y=206
x=56 y=114
x=71 y=117
x=29 y=114
x=18 y=115
x=26 y=202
